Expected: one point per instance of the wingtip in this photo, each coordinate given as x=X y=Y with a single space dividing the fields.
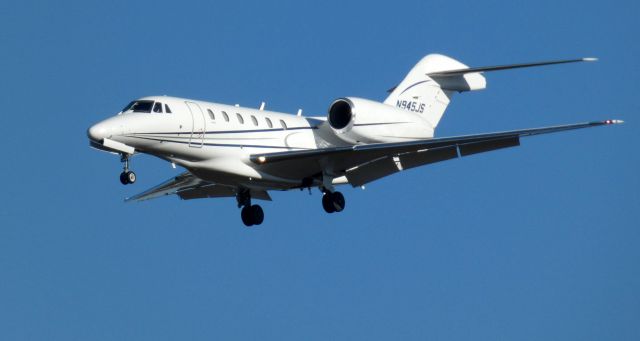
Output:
x=613 y=122
x=590 y=59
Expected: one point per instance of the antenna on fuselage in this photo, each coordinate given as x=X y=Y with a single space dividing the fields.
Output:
x=262 y=106
x=299 y=112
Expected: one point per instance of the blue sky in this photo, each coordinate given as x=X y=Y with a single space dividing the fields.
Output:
x=530 y=243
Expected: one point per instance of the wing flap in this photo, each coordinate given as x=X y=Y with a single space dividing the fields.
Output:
x=386 y=166
x=171 y=186
x=208 y=191
x=487 y=146
x=187 y=186
x=424 y=157
x=372 y=171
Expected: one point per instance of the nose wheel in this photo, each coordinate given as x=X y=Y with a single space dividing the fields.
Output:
x=127 y=176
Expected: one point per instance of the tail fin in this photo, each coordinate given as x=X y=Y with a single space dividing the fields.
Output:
x=426 y=92
x=429 y=86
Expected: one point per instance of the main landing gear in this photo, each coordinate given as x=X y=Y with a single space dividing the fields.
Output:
x=333 y=201
x=250 y=214
x=254 y=215
x=126 y=177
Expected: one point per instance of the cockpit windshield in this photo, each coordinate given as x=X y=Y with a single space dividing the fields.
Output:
x=125 y=109
x=142 y=106
x=145 y=106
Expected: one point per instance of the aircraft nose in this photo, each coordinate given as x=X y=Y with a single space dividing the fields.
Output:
x=97 y=132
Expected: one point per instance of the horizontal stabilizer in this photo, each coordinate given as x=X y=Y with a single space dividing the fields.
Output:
x=459 y=72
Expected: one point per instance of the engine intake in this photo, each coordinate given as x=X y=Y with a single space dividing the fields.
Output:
x=340 y=114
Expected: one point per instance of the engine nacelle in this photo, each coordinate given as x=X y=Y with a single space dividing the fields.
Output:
x=358 y=120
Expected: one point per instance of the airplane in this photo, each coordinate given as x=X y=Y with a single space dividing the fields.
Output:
x=233 y=151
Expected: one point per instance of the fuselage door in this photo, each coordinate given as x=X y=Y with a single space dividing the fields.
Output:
x=198 y=127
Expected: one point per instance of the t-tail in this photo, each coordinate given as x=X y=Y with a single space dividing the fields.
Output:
x=429 y=86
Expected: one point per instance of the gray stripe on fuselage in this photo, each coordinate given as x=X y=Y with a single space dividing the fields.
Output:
x=231 y=131
x=196 y=143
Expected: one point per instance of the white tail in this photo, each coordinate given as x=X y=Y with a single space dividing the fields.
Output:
x=429 y=86
x=427 y=92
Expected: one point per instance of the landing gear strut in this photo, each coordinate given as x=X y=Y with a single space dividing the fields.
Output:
x=126 y=177
x=250 y=214
x=333 y=201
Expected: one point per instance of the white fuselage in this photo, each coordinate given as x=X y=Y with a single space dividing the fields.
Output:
x=214 y=141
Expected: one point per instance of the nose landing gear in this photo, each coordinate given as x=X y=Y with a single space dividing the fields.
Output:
x=126 y=177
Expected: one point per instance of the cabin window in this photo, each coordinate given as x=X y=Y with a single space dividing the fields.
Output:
x=157 y=108
x=240 y=118
x=268 y=122
x=225 y=116
x=284 y=125
x=211 y=115
x=255 y=120
x=166 y=109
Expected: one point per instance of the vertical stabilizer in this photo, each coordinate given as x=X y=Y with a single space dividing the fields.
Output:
x=430 y=95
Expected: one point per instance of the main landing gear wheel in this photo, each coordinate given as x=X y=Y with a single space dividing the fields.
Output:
x=252 y=215
x=127 y=177
x=333 y=202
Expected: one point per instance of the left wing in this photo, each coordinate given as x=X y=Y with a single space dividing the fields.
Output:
x=365 y=163
x=187 y=186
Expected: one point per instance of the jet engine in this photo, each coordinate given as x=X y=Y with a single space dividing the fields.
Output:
x=358 y=120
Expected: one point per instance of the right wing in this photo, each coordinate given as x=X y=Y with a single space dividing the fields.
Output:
x=187 y=186
x=365 y=163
